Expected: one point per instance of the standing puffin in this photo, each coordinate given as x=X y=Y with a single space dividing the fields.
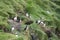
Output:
x=15 y=18
x=27 y=23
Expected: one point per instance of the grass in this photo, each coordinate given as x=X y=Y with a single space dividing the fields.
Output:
x=7 y=36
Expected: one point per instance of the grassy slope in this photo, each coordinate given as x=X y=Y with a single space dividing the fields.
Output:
x=7 y=36
x=37 y=9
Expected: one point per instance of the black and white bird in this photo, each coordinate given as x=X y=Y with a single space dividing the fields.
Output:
x=38 y=21
x=27 y=24
x=15 y=18
x=41 y=23
x=12 y=28
x=26 y=28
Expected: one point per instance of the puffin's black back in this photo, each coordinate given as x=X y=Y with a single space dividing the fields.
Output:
x=28 y=22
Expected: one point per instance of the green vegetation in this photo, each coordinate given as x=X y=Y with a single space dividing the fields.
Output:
x=8 y=36
x=49 y=10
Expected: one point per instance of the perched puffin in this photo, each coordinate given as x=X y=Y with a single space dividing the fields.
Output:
x=12 y=28
x=26 y=28
x=15 y=18
x=28 y=23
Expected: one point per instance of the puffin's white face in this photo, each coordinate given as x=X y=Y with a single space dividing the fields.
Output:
x=15 y=18
x=42 y=23
x=27 y=14
x=39 y=21
x=12 y=28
